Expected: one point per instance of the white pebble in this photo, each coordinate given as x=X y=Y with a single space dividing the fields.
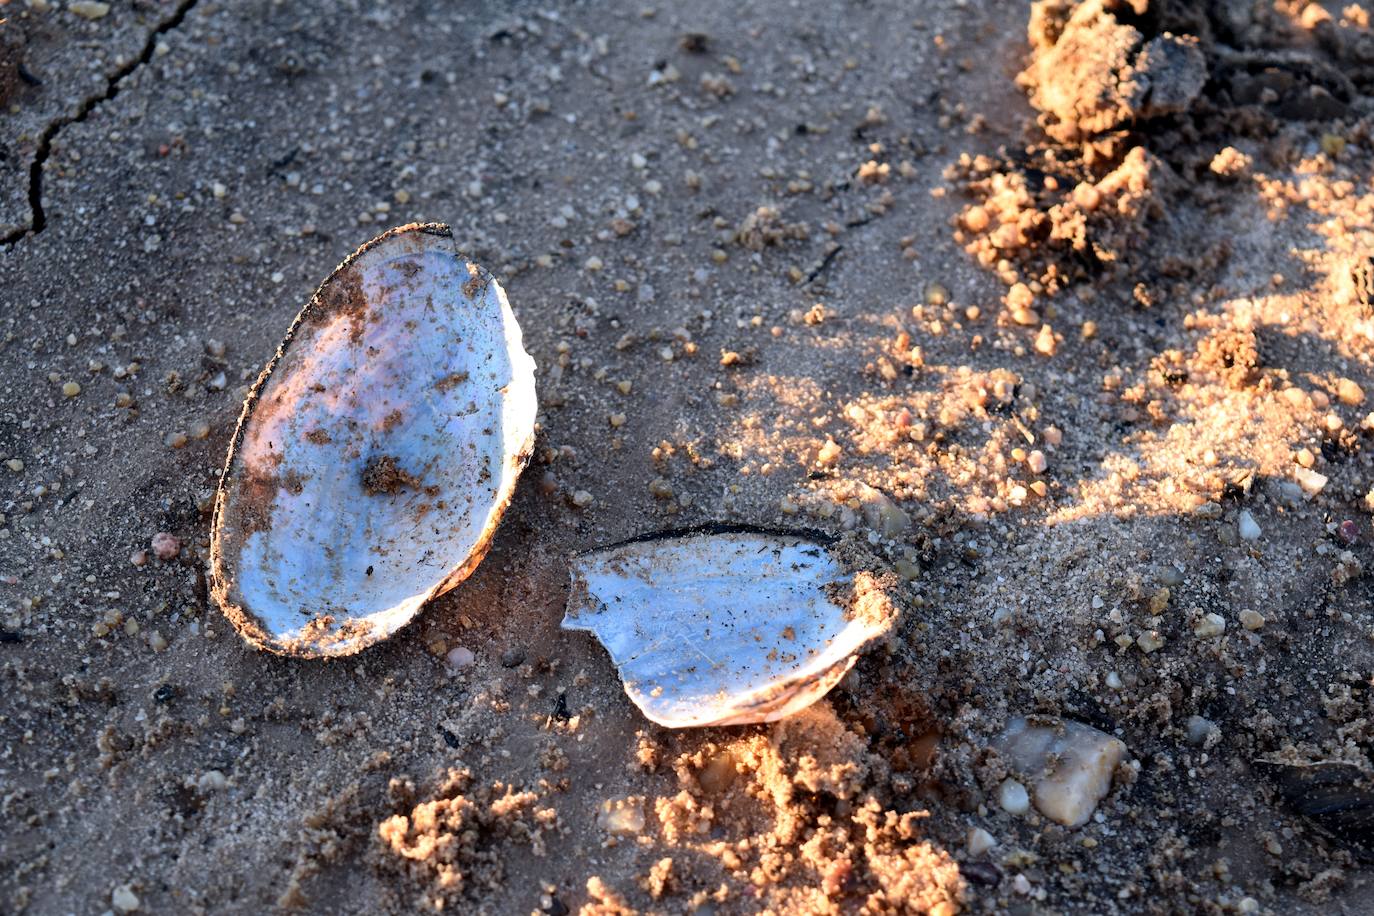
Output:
x=1209 y=626
x=621 y=816
x=124 y=900
x=211 y=781
x=89 y=9
x=1013 y=797
x=1311 y=482
x=979 y=841
x=1070 y=766
x=1247 y=527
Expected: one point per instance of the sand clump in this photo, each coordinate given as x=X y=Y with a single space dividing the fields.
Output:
x=1134 y=99
x=817 y=816
x=450 y=843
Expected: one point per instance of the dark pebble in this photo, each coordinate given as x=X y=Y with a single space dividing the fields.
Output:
x=164 y=693
x=984 y=873
x=556 y=907
x=512 y=658
x=450 y=738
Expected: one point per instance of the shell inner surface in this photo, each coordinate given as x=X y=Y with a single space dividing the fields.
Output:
x=721 y=629
x=381 y=449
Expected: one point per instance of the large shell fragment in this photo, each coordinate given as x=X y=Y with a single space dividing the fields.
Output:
x=729 y=627
x=377 y=451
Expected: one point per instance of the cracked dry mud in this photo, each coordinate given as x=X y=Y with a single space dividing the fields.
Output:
x=1092 y=363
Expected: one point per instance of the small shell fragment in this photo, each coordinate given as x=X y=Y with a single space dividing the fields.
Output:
x=1335 y=796
x=730 y=626
x=377 y=451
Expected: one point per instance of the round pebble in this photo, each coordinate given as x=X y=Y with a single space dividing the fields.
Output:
x=124 y=900
x=460 y=657
x=166 y=546
x=1013 y=797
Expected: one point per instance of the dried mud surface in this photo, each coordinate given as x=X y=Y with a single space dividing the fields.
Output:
x=1070 y=304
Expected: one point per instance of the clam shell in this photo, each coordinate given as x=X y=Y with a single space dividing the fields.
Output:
x=727 y=627
x=377 y=450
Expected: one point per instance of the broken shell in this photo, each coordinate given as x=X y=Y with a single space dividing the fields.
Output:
x=1337 y=797
x=730 y=626
x=376 y=452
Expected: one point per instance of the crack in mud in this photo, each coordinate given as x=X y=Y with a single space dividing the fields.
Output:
x=38 y=217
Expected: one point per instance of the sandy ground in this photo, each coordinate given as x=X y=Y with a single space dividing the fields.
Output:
x=1180 y=320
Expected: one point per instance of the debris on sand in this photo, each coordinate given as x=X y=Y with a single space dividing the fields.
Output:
x=1138 y=102
x=1069 y=766
x=1092 y=72
x=730 y=627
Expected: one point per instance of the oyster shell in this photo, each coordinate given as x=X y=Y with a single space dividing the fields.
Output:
x=377 y=450
x=729 y=626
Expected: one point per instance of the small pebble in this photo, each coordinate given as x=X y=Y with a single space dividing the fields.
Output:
x=582 y=499
x=139 y=558
x=979 y=841
x=1349 y=393
x=460 y=657
x=166 y=546
x=123 y=899
x=1251 y=620
x=211 y=781
x=1013 y=797
x=1209 y=626
x=90 y=9
x=1045 y=344
x=1198 y=730
x=71 y=389
x=718 y=774
x=621 y=816
x=513 y=657
x=829 y=453
x=1247 y=527
x=1036 y=462
x=1311 y=482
